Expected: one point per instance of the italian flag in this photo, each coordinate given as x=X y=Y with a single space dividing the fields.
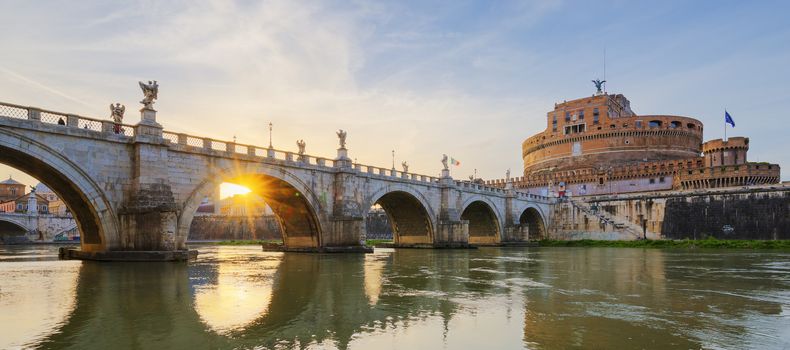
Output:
x=454 y=161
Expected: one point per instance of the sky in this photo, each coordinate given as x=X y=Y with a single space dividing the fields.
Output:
x=471 y=79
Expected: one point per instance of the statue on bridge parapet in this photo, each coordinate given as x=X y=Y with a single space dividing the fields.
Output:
x=342 y=160
x=150 y=93
x=116 y=113
x=148 y=113
x=507 y=175
x=301 y=144
x=446 y=169
x=405 y=166
x=342 y=136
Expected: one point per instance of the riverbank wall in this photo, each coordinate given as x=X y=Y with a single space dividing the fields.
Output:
x=265 y=227
x=731 y=213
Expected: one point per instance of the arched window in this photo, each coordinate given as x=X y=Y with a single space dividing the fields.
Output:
x=675 y=124
x=654 y=124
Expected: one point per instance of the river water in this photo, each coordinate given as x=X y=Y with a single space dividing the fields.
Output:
x=489 y=298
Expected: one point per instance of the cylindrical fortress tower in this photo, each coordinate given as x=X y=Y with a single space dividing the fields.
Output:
x=730 y=152
x=602 y=130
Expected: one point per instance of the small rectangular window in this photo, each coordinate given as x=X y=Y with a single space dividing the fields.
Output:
x=567 y=116
x=661 y=179
x=652 y=181
x=638 y=124
x=581 y=114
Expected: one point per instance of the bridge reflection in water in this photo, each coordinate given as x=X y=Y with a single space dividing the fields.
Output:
x=239 y=297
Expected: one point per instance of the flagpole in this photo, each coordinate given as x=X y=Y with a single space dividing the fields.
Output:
x=725 y=125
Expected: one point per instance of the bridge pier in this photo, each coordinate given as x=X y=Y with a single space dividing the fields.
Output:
x=347 y=219
x=451 y=231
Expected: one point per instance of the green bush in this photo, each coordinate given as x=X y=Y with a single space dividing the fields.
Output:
x=709 y=242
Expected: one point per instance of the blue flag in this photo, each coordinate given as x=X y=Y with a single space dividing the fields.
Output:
x=728 y=119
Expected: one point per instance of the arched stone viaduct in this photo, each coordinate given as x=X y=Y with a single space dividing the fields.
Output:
x=138 y=190
x=32 y=227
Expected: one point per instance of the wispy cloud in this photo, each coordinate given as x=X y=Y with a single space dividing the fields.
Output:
x=472 y=79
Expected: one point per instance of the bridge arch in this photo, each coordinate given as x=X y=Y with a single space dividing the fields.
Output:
x=9 y=227
x=484 y=220
x=298 y=209
x=85 y=199
x=409 y=212
x=533 y=220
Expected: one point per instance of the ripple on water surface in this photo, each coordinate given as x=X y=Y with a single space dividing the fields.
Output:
x=540 y=298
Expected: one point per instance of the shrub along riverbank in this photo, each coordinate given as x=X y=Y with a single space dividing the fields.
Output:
x=668 y=243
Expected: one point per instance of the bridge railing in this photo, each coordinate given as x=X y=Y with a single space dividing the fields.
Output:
x=209 y=144
x=228 y=147
x=65 y=120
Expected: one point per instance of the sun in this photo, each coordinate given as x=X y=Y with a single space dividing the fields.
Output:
x=227 y=189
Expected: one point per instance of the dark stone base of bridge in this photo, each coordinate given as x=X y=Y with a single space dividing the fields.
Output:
x=132 y=256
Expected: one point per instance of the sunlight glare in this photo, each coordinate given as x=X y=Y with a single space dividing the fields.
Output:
x=227 y=189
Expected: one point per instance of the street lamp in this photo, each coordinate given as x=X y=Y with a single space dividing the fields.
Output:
x=270 y=135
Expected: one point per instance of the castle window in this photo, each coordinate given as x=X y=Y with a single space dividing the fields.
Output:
x=567 y=116
x=675 y=124
x=19 y=207
x=600 y=181
x=625 y=125
x=581 y=114
x=652 y=181
x=596 y=115
x=612 y=126
x=654 y=124
x=690 y=125
x=661 y=179
x=638 y=124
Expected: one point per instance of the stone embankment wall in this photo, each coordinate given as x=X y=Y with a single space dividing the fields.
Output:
x=220 y=227
x=733 y=213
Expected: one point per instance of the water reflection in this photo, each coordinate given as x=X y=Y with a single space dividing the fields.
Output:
x=240 y=297
x=36 y=297
x=229 y=296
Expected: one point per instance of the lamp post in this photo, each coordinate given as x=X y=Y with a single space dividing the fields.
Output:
x=270 y=135
x=393 y=159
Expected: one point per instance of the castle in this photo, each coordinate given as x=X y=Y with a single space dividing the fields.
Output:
x=598 y=145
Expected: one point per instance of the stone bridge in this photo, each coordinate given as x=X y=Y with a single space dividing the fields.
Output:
x=135 y=188
x=22 y=227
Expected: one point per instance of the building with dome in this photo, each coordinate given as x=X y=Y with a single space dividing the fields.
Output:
x=11 y=189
